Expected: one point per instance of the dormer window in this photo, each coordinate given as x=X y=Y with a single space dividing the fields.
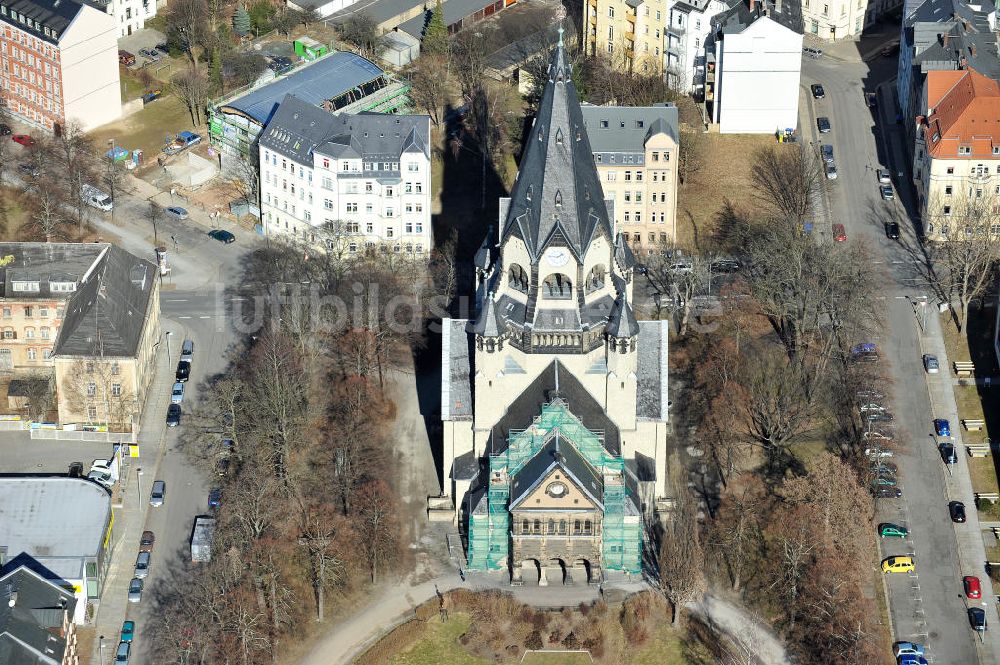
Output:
x=558 y=198
x=935 y=138
x=559 y=137
x=62 y=287
x=23 y=286
x=604 y=124
x=996 y=150
x=964 y=150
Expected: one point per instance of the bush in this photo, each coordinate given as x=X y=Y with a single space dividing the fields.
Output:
x=534 y=641
x=555 y=637
x=595 y=645
x=389 y=646
x=570 y=641
x=428 y=610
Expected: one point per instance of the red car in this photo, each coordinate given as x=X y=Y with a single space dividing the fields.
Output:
x=972 y=588
x=23 y=139
x=839 y=233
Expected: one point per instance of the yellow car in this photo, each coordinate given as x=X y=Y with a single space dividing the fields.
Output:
x=898 y=564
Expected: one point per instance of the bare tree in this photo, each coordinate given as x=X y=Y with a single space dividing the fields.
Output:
x=78 y=165
x=98 y=390
x=681 y=560
x=186 y=20
x=322 y=535
x=193 y=87
x=737 y=533
x=361 y=31
x=786 y=178
x=965 y=234
x=429 y=85
x=39 y=395
x=6 y=147
x=691 y=154
x=378 y=512
x=46 y=210
x=794 y=544
x=678 y=279
x=114 y=178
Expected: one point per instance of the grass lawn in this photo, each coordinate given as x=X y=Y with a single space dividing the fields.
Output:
x=665 y=647
x=970 y=406
x=557 y=659
x=701 y=197
x=147 y=128
x=439 y=645
x=982 y=473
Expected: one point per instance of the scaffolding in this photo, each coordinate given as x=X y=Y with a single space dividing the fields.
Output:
x=489 y=521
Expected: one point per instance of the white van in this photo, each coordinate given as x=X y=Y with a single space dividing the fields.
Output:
x=96 y=198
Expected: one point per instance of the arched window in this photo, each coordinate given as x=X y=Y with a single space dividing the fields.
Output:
x=517 y=278
x=562 y=527
x=524 y=526
x=552 y=526
x=557 y=287
x=538 y=526
x=595 y=279
x=587 y=528
x=576 y=527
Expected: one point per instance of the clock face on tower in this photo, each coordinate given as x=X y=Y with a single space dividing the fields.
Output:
x=555 y=489
x=557 y=257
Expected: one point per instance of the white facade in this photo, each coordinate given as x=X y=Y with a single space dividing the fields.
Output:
x=689 y=27
x=90 y=82
x=131 y=15
x=324 y=9
x=757 y=79
x=363 y=203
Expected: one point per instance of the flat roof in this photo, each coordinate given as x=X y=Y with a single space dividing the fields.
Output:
x=314 y=83
x=52 y=517
x=380 y=10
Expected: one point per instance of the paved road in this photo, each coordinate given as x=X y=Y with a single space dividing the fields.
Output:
x=929 y=605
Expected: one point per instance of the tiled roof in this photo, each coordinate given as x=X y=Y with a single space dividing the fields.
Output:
x=966 y=117
x=939 y=83
x=56 y=15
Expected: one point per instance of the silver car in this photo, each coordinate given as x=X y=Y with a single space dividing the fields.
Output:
x=831 y=171
x=135 y=590
x=931 y=365
x=142 y=565
x=883 y=176
x=177 y=394
x=124 y=650
x=158 y=494
x=176 y=212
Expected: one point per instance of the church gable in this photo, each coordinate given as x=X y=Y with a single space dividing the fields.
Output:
x=557 y=490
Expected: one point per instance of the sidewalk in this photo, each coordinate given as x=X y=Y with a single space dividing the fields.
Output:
x=130 y=516
x=958 y=485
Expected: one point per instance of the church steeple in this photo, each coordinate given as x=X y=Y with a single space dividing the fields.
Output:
x=558 y=196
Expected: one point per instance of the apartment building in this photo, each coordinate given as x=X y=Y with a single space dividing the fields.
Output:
x=689 y=28
x=130 y=15
x=843 y=19
x=753 y=66
x=956 y=166
x=941 y=35
x=631 y=33
x=351 y=181
x=59 y=62
x=635 y=151
x=85 y=315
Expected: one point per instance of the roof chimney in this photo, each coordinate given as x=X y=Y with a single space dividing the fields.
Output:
x=944 y=40
x=753 y=6
x=972 y=50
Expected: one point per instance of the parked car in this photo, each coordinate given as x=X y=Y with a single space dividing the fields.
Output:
x=23 y=139
x=817 y=91
x=892 y=230
x=942 y=427
x=725 y=266
x=888 y=466
x=878 y=453
x=871 y=100
x=898 y=564
x=176 y=212
x=182 y=142
x=907 y=648
x=888 y=493
x=121 y=656
x=866 y=352
x=222 y=236
x=886 y=192
x=222 y=467
x=831 y=171
x=911 y=659
x=142 y=565
x=812 y=52
x=146 y=541
x=214 y=498
x=889 y=530
x=883 y=176
x=150 y=54
x=135 y=590
x=29 y=170
x=868 y=394
x=173 y=415
x=183 y=371
x=177 y=394
x=163 y=48
x=826 y=152
x=878 y=433
x=977 y=619
x=839 y=232
x=126 y=58
x=956 y=509
x=128 y=631
x=823 y=123
x=972 y=587
x=151 y=95
x=159 y=493
x=280 y=64
x=870 y=406
x=187 y=349
x=885 y=481
x=877 y=416
x=931 y=365
x=947 y=451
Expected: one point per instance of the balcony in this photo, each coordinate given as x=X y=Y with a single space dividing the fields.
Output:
x=593 y=19
x=630 y=36
x=710 y=76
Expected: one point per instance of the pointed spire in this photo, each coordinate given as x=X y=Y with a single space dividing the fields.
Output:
x=484 y=254
x=622 y=323
x=488 y=323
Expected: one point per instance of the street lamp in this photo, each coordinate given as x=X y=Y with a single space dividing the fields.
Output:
x=168 y=334
x=101 y=638
x=138 y=488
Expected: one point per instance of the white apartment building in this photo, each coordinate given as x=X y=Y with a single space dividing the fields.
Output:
x=356 y=181
x=753 y=66
x=59 y=62
x=689 y=28
x=130 y=15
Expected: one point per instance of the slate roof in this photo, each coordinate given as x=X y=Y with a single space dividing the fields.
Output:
x=557 y=197
x=488 y=324
x=313 y=83
x=522 y=411
x=456 y=371
x=629 y=127
x=108 y=312
x=739 y=17
x=299 y=129
x=622 y=323
x=652 y=396
x=966 y=115
x=453 y=11
x=562 y=453
x=56 y=15
x=949 y=34
x=30 y=630
x=45 y=263
x=380 y=10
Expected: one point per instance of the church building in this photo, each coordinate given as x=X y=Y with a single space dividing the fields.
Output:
x=554 y=399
